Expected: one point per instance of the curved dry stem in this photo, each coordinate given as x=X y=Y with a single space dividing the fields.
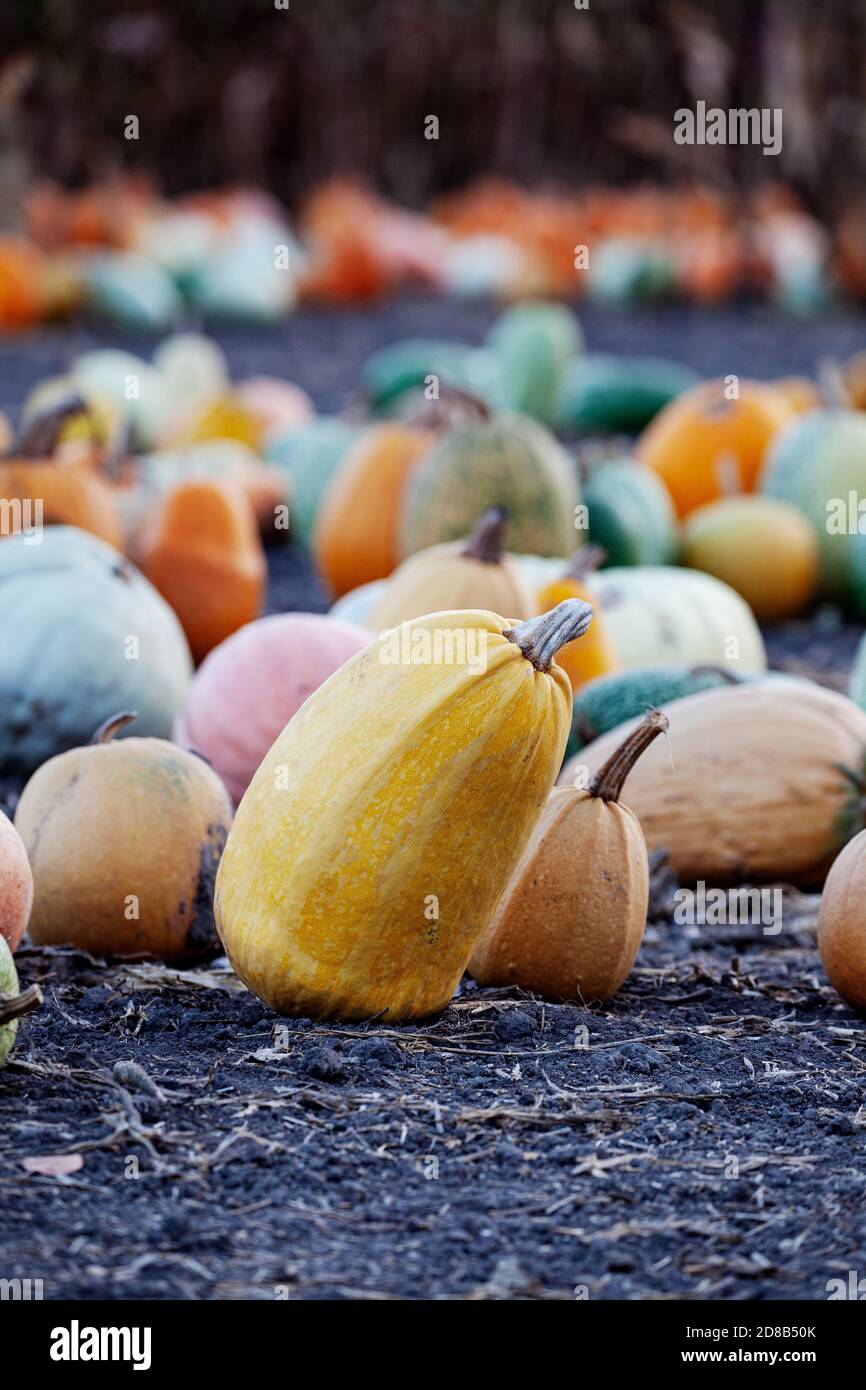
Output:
x=541 y=638
x=608 y=781
x=113 y=725
x=487 y=541
x=16 y=1005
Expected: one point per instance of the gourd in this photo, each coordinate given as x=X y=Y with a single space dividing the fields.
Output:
x=533 y=343
x=631 y=515
x=571 y=920
x=16 y=885
x=593 y=655
x=124 y=839
x=762 y=782
x=509 y=461
x=370 y=907
x=131 y=291
x=657 y=614
x=83 y=634
x=818 y=465
x=219 y=459
x=307 y=459
x=763 y=548
x=129 y=386
x=14 y=1002
x=474 y=573
x=50 y=492
x=249 y=687
x=705 y=445
x=201 y=550
x=355 y=538
x=842 y=926
x=617 y=395
x=611 y=700
x=857 y=681
x=400 y=367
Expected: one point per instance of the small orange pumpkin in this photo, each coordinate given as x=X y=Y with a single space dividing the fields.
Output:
x=570 y=922
x=51 y=491
x=202 y=551
x=704 y=445
x=593 y=655
x=842 y=923
x=355 y=539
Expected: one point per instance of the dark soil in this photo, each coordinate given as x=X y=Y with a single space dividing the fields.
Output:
x=701 y=1136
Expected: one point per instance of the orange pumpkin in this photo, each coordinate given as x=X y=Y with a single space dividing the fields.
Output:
x=593 y=655
x=356 y=534
x=51 y=491
x=202 y=551
x=704 y=445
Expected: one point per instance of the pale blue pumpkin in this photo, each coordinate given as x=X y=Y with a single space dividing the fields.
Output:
x=84 y=635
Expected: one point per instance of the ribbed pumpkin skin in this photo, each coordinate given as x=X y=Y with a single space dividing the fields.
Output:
x=355 y=538
x=631 y=515
x=658 y=614
x=703 y=445
x=391 y=784
x=443 y=579
x=202 y=552
x=510 y=462
x=747 y=786
x=570 y=923
x=247 y=689
x=138 y=817
x=16 y=885
x=70 y=607
x=842 y=924
x=69 y=494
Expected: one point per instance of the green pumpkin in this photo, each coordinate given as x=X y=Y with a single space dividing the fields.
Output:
x=401 y=367
x=309 y=457
x=623 y=269
x=631 y=515
x=534 y=343
x=816 y=464
x=131 y=291
x=608 y=701
x=509 y=461
x=9 y=987
x=84 y=636
x=615 y=395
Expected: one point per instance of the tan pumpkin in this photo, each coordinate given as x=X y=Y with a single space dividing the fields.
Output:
x=475 y=573
x=571 y=920
x=842 y=924
x=757 y=782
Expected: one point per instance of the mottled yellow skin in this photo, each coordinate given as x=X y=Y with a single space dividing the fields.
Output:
x=396 y=790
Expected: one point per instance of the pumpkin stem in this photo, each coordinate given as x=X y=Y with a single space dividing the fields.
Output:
x=608 y=781
x=726 y=673
x=541 y=638
x=585 y=562
x=16 y=1005
x=40 y=436
x=487 y=542
x=113 y=725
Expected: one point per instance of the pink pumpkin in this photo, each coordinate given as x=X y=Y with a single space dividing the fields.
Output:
x=16 y=884
x=274 y=404
x=247 y=689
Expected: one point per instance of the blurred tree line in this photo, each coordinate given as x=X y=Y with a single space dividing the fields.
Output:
x=538 y=90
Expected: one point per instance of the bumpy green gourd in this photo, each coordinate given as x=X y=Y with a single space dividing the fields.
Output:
x=631 y=515
x=608 y=701
x=8 y=990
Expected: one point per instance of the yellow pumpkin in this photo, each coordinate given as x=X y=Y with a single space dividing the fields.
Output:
x=762 y=547
x=465 y=574
x=570 y=922
x=374 y=841
x=594 y=654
